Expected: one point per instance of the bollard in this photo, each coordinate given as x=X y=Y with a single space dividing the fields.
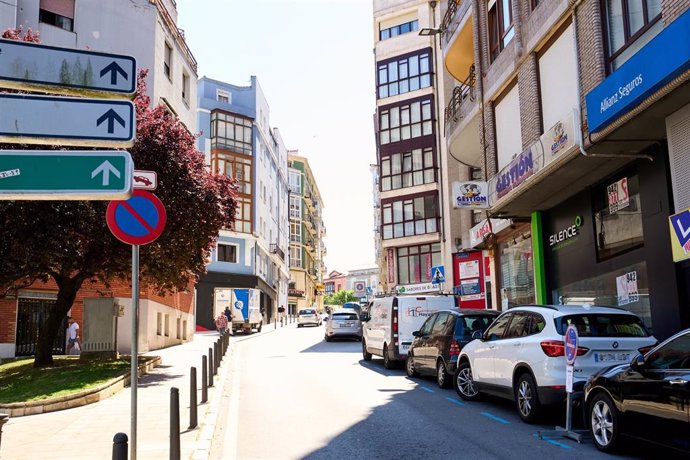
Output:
x=210 y=367
x=204 y=380
x=192 y=398
x=120 y=447
x=4 y=418
x=174 y=424
x=216 y=355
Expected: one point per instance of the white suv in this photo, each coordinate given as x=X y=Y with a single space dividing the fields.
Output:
x=521 y=356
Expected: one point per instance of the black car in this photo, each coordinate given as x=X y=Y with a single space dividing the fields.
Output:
x=646 y=399
x=437 y=344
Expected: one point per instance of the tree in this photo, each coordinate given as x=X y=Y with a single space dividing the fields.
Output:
x=340 y=298
x=69 y=241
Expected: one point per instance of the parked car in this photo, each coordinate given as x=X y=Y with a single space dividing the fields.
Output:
x=308 y=316
x=521 y=355
x=649 y=398
x=438 y=342
x=389 y=324
x=343 y=323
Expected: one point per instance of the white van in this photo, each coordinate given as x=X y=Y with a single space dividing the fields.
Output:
x=390 y=322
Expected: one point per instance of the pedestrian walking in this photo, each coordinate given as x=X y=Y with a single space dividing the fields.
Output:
x=281 y=313
x=221 y=323
x=73 y=336
x=228 y=314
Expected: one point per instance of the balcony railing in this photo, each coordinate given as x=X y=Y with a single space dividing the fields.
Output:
x=463 y=92
x=275 y=249
x=451 y=20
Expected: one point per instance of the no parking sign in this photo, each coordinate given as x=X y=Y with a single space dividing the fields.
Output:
x=138 y=220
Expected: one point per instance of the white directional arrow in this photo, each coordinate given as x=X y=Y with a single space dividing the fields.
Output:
x=106 y=168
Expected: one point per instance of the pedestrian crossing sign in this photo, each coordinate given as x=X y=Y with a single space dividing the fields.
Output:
x=438 y=274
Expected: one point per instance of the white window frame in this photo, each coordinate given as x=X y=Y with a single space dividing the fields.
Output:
x=225 y=94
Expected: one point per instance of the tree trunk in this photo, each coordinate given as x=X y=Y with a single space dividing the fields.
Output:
x=67 y=292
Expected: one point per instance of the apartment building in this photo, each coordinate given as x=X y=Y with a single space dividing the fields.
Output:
x=576 y=114
x=238 y=140
x=307 y=230
x=147 y=30
x=418 y=227
x=362 y=281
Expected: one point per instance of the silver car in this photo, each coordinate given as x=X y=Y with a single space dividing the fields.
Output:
x=343 y=323
x=308 y=316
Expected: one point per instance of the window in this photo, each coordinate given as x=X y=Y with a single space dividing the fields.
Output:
x=167 y=61
x=295 y=207
x=159 y=323
x=243 y=215
x=402 y=75
x=179 y=328
x=440 y=324
x=184 y=330
x=185 y=88
x=426 y=327
x=231 y=132
x=534 y=3
x=626 y=22
x=618 y=216
x=674 y=355
x=517 y=270
x=536 y=324
x=227 y=253
x=497 y=329
x=400 y=29
x=407 y=169
x=501 y=30
x=239 y=167
x=295 y=181
x=406 y=121
x=414 y=263
x=295 y=256
x=296 y=232
x=409 y=217
x=59 y=14
x=222 y=96
x=518 y=326
x=167 y=325
x=603 y=325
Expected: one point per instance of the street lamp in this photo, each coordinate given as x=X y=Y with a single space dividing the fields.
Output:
x=428 y=32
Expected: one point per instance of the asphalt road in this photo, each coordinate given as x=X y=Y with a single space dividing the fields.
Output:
x=294 y=396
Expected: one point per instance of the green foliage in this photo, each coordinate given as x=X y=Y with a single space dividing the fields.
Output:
x=20 y=382
x=340 y=298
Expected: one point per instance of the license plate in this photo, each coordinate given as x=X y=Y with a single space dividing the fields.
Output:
x=344 y=325
x=611 y=357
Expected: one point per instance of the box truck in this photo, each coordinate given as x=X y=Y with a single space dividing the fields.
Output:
x=244 y=305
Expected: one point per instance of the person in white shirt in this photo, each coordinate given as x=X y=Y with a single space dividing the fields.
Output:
x=73 y=335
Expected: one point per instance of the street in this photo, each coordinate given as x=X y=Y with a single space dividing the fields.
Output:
x=292 y=395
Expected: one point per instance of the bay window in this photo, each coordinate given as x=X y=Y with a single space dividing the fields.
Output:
x=416 y=215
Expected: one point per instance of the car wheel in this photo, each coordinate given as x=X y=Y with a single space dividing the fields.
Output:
x=387 y=361
x=365 y=354
x=299 y=325
x=409 y=367
x=258 y=329
x=328 y=339
x=464 y=383
x=603 y=421
x=442 y=377
x=526 y=398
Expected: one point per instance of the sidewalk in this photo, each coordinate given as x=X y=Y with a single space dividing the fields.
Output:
x=87 y=432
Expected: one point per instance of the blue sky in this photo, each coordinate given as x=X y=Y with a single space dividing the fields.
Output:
x=315 y=63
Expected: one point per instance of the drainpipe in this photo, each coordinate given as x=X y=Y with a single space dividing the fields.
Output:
x=432 y=3
x=580 y=140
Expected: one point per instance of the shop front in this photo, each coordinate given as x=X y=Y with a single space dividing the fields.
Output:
x=610 y=245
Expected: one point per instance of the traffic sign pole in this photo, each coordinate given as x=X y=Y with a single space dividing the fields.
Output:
x=135 y=351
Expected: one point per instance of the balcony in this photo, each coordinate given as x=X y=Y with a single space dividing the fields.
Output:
x=461 y=101
x=312 y=272
x=462 y=122
x=458 y=38
x=310 y=224
x=275 y=249
x=311 y=247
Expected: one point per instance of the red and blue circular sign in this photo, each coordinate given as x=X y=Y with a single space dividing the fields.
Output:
x=570 y=344
x=138 y=220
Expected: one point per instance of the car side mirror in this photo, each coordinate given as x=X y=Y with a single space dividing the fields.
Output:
x=478 y=335
x=326 y=318
x=416 y=334
x=364 y=317
x=638 y=363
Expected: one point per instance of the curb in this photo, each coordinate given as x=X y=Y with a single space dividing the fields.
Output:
x=78 y=399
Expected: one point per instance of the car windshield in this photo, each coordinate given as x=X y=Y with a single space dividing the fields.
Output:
x=603 y=325
x=307 y=312
x=345 y=316
x=465 y=326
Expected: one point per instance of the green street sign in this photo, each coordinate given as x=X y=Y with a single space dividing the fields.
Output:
x=65 y=175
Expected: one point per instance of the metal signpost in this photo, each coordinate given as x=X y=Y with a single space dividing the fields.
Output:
x=58 y=120
x=65 y=175
x=139 y=220
x=33 y=67
x=74 y=121
x=438 y=276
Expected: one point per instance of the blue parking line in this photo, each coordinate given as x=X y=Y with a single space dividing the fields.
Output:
x=429 y=390
x=493 y=417
x=455 y=401
x=551 y=441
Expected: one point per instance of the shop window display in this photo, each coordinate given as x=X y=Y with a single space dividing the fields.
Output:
x=517 y=271
x=626 y=288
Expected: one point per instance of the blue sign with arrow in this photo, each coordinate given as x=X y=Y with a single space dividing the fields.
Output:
x=438 y=274
x=65 y=70
x=58 y=120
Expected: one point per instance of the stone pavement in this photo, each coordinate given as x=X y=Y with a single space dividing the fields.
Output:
x=87 y=432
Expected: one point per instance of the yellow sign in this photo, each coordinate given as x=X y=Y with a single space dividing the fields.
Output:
x=679 y=225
